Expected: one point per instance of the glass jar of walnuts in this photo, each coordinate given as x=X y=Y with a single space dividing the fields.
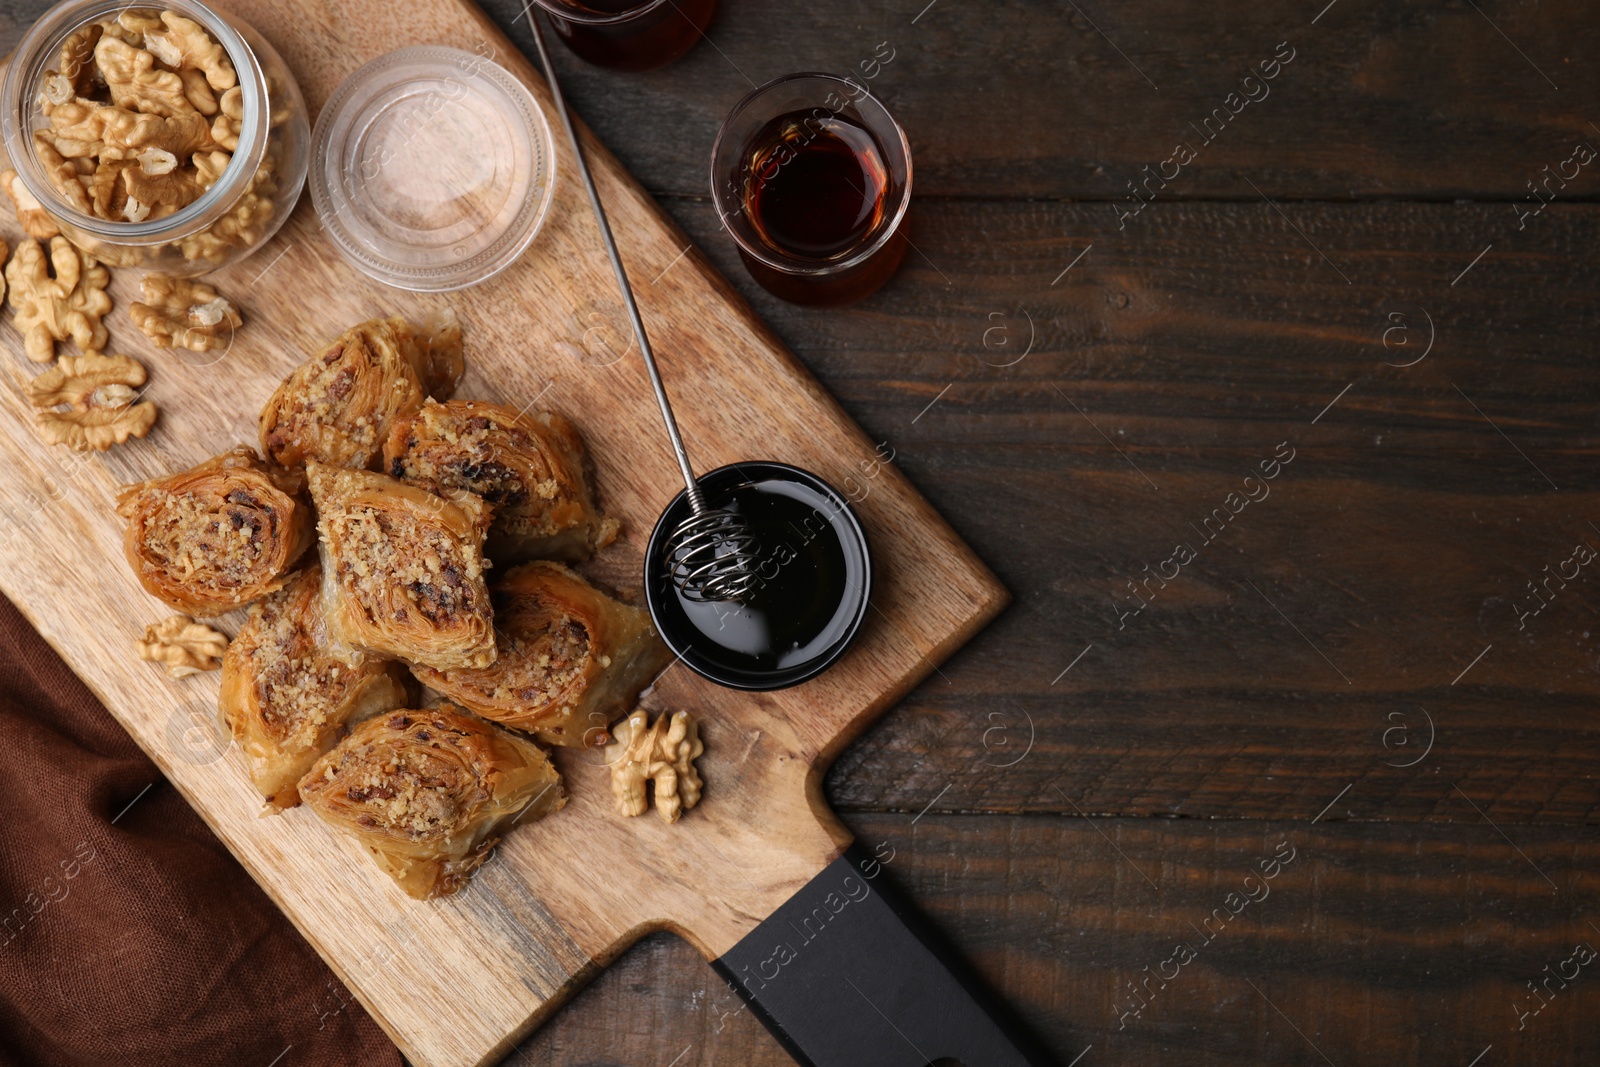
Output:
x=170 y=137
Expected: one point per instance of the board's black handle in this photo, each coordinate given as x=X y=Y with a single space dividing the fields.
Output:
x=846 y=975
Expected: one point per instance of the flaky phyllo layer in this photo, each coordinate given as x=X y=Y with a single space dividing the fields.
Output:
x=529 y=465
x=216 y=537
x=339 y=406
x=571 y=659
x=285 y=699
x=403 y=570
x=428 y=793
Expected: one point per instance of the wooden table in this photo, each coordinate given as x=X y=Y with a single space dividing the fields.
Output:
x=1346 y=680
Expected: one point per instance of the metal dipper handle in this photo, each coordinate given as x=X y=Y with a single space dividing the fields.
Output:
x=714 y=552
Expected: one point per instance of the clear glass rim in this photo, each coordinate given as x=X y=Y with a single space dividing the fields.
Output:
x=446 y=277
x=556 y=9
x=16 y=96
x=794 y=265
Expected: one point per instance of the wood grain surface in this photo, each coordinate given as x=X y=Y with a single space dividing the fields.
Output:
x=1375 y=944
x=1399 y=142
x=1194 y=339
x=1046 y=99
x=458 y=982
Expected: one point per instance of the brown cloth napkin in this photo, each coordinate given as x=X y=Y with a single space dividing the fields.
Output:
x=128 y=934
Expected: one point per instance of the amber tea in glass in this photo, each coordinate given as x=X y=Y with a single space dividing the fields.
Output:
x=812 y=177
x=817 y=186
x=630 y=34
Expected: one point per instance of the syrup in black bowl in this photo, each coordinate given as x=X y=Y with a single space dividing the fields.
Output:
x=815 y=574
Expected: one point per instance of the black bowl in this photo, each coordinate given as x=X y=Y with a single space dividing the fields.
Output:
x=817 y=573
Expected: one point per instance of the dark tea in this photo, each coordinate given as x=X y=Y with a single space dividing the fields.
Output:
x=811 y=175
x=630 y=34
x=816 y=186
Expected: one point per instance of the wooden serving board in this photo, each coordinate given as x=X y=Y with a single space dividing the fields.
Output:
x=459 y=981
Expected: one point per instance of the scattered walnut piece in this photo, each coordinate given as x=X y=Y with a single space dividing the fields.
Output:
x=183 y=313
x=663 y=752
x=185 y=646
x=30 y=212
x=67 y=306
x=101 y=401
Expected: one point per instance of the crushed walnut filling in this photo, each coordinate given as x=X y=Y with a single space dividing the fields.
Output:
x=458 y=454
x=220 y=544
x=323 y=387
x=415 y=790
x=435 y=575
x=542 y=660
x=298 y=686
x=297 y=696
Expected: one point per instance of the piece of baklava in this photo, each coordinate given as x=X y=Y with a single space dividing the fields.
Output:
x=571 y=659
x=428 y=793
x=402 y=569
x=338 y=406
x=530 y=465
x=215 y=537
x=286 y=700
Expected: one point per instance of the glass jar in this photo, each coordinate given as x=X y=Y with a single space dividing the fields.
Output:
x=244 y=204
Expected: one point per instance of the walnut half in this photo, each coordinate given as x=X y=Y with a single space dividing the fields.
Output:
x=185 y=646
x=182 y=313
x=662 y=752
x=66 y=306
x=35 y=220
x=136 y=82
x=102 y=404
x=185 y=45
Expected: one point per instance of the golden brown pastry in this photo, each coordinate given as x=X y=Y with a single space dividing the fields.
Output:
x=571 y=658
x=529 y=465
x=429 y=793
x=216 y=537
x=338 y=407
x=402 y=569
x=286 y=700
